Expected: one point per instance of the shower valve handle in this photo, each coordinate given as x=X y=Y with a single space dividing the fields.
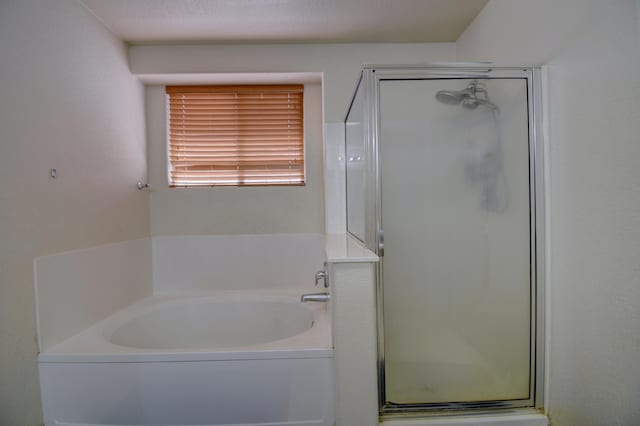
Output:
x=322 y=275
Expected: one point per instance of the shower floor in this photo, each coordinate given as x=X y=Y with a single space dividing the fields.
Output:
x=433 y=382
x=446 y=368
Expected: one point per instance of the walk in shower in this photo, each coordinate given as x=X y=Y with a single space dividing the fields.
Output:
x=444 y=182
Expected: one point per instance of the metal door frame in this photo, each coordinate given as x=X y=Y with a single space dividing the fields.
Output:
x=369 y=82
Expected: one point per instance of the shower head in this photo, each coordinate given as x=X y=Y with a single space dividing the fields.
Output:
x=450 y=97
x=475 y=94
x=472 y=103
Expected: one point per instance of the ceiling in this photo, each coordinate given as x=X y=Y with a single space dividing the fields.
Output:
x=286 y=21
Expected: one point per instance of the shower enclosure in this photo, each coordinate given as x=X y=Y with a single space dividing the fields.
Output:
x=444 y=183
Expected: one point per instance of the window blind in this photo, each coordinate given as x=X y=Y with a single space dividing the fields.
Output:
x=236 y=135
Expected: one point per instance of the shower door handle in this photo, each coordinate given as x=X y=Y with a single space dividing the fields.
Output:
x=380 y=243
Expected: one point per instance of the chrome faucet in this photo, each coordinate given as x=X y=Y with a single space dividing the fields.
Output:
x=318 y=297
x=315 y=297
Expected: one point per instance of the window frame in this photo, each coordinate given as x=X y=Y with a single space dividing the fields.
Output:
x=292 y=145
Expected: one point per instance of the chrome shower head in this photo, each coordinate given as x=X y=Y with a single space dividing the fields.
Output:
x=473 y=102
x=475 y=94
x=450 y=97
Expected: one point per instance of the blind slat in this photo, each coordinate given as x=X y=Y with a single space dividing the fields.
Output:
x=285 y=129
x=234 y=148
x=213 y=97
x=233 y=152
x=203 y=143
x=235 y=116
x=261 y=107
x=212 y=164
x=236 y=135
x=200 y=104
x=232 y=170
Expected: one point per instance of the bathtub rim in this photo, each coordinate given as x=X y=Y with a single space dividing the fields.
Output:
x=93 y=345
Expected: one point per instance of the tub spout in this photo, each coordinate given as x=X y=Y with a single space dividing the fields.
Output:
x=315 y=297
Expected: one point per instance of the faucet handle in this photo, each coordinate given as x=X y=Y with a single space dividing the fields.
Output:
x=322 y=275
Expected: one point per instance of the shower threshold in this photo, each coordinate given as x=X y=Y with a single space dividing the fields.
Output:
x=512 y=417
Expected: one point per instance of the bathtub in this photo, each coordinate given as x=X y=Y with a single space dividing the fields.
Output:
x=229 y=358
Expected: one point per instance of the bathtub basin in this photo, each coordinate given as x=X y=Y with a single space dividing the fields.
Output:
x=230 y=358
x=213 y=324
x=204 y=327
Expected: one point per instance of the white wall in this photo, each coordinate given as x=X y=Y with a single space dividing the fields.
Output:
x=339 y=63
x=516 y=33
x=235 y=210
x=263 y=210
x=353 y=314
x=196 y=263
x=69 y=102
x=592 y=49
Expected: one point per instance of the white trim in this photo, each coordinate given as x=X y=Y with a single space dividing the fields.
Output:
x=544 y=78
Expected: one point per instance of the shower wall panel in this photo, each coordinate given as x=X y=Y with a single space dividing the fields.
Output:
x=355 y=143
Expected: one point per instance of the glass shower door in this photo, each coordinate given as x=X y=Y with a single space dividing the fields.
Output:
x=456 y=214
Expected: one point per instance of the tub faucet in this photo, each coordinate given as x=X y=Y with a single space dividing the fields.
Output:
x=315 y=297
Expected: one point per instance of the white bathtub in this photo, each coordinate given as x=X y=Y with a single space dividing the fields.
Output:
x=232 y=358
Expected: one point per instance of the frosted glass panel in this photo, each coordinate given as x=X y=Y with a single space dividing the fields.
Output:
x=355 y=161
x=456 y=270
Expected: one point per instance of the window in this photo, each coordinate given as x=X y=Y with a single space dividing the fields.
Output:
x=235 y=135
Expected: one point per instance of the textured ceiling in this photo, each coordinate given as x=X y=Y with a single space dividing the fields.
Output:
x=286 y=21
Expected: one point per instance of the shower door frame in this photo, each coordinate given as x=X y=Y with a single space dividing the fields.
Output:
x=369 y=82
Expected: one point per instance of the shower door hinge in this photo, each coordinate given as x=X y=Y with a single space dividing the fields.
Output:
x=380 y=243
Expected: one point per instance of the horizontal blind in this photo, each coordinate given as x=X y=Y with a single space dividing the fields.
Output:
x=236 y=135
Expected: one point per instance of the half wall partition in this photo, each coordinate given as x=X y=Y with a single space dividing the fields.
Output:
x=444 y=182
